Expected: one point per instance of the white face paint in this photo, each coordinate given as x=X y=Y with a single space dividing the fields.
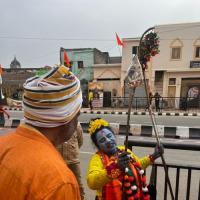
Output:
x=106 y=141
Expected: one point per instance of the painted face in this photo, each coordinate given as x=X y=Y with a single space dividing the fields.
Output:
x=106 y=141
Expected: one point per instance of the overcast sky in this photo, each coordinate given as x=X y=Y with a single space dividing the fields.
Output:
x=34 y=30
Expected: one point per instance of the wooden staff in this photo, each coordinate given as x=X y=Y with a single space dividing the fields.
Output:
x=152 y=116
x=131 y=96
x=133 y=84
x=134 y=75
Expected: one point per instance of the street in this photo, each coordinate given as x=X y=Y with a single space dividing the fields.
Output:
x=188 y=121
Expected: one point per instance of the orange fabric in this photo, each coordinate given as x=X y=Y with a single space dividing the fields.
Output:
x=32 y=169
x=1 y=70
x=111 y=190
x=119 y=41
x=136 y=176
x=66 y=59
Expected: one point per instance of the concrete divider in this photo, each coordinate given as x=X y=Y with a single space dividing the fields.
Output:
x=194 y=133
x=170 y=131
x=160 y=130
x=146 y=130
x=135 y=129
x=8 y=124
x=115 y=127
x=183 y=132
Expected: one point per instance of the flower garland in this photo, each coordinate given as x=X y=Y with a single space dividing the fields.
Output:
x=112 y=169
x=135 y=183
x=96 y=124
x=134 y=178
x=149 y=47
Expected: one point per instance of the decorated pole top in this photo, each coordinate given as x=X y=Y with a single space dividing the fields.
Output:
x=134 y=73
x=148 y=47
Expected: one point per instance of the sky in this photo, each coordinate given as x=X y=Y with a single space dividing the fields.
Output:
x=34 y=30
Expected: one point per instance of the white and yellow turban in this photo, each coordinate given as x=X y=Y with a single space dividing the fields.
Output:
x=52 y=99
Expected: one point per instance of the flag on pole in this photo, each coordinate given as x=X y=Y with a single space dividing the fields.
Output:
x=66 y=59
x=1 y=70
x=119 y=41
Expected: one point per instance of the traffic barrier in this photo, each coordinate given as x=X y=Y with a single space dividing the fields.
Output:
x=147 y=130
x=135 y=129
x=184 y=171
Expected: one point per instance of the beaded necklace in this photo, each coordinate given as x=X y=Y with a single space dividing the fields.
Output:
x=135 y=186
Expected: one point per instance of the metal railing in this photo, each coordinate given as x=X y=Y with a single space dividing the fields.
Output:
x=190 y=169
x=164 y=104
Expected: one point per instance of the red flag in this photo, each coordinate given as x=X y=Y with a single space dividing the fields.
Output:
x=66 y=59
x=1 y=70
x=119 y=41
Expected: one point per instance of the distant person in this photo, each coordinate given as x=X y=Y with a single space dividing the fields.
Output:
x=114 y=102
x=184 y=103
x=90 y=98
x=15 y=95
x=157 y=101
x=30 y=166
x=70 y=153
x=150 y=97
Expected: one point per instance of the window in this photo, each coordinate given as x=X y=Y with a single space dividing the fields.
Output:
x=159 y=76
x=176 y=53
x=135 y=50
x=172 y=81
x=80 y=64
x=197 y=54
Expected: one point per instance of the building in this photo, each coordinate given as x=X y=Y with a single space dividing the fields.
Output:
x=13 y=80
x=15 y=64
x=109 y=75
x=175 y=72
x=82 y=61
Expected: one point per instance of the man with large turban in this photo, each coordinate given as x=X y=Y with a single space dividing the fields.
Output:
x=30 y=166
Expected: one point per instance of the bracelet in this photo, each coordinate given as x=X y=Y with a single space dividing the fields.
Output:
x=113 y=170
x=151 y=158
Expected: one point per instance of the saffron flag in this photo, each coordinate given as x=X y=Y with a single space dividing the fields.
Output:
x=1 y=70
x=119 y=41
x=66 y=59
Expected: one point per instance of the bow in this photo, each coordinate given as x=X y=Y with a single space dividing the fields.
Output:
x=148 y=47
